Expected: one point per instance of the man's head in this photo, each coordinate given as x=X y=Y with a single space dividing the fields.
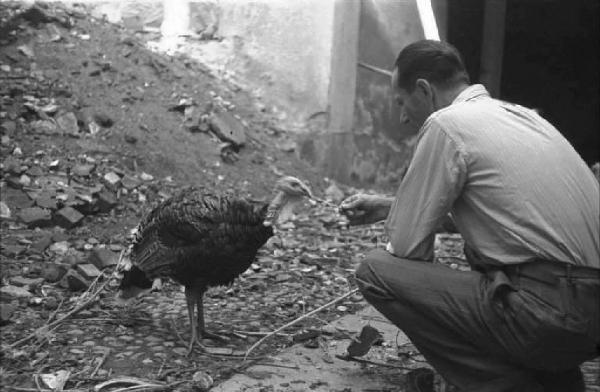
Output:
x=427 y=77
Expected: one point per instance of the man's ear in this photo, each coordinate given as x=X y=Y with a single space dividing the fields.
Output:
x=424 y=88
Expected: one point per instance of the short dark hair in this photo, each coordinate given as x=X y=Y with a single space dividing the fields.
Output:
x=437 y=62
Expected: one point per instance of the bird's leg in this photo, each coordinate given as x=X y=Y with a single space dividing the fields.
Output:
x=201 y=330
x=191 y=296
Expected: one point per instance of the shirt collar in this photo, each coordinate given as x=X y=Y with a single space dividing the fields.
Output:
x=471 y=92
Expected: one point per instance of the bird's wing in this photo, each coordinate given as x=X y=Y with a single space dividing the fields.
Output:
x=193 y=222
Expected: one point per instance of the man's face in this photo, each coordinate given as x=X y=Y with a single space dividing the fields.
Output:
x=415 y=106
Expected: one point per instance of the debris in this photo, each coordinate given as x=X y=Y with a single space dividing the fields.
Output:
x=202 y=381
x=6 y=312
x=57 y=380
x=334 y=193
x=28 y=283
x=26 y=50
x=53 y=272
x=112 y=178
x=74 y=281
x=88 y=271
x=228 y=128
x=146 y=177
x=368 y=337
x=105 y=201
x=4 y=210
x=67 y=122
x=83 y=170
x=36 y=217
x=60 y=247
x=103 y=120
x=102 y=258
x=14 y=292
x=68 y=217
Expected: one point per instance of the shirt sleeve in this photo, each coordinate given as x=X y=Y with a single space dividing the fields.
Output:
x=433 y=181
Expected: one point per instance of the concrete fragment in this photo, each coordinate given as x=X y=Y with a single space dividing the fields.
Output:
x=4 y=210
x=16 y=198
x=68 y=217
x=105 y=201
x=74 y=281
x=13 y=292
x=68 y=123
x=112 y=178
x=53 y=272
x=129 y=182
x=36 y=217
x=228 y=128
x=27 y=283
x=88 y=271
x=83 y=170
x=41 y=244
x=6 y=312
x=102 y=258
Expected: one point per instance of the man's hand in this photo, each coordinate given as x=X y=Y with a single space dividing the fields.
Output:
x=362 y=209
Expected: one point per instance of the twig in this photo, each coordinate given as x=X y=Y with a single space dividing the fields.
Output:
x=275 y=365
x=102 y=360
x=333 y=302
x=53 y=315
x=368 y=362
x=77 y=309
x=256 y=333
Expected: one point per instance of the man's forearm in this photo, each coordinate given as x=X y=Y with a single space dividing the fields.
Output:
x=382 y=207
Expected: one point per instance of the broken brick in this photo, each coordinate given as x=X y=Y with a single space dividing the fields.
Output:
x=105 y=201
x=36 y=217
x=88 y=271
x=102 y=258
x=68 y=217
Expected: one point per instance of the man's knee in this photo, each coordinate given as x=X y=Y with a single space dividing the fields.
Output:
x=369 y=278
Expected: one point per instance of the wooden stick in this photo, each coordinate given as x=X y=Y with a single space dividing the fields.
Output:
x=368 y=362
x=333 y=302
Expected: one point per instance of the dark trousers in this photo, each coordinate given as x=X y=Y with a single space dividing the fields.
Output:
x=491 y=331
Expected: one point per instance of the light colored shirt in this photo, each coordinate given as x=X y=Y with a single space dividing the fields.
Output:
x=515 y=187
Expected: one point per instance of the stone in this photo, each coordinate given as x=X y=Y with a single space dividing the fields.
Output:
x=53 y=272
x=25 y=180
x=112 y=178
x=35 y=171
x=60 y=247
x=15 y=198
x=46 y=200
x=68 y=123
x=228 y=128
x=102 y=258
x=6 y=312
x=44 y=127
x=4 y=210
x=129 y=182
x=27 y=283
x=334 y=193
x=103 y=120
x=83 y=170
x=146 y=177
x=68 y=217
x=74 y=281
x=41 y=244
x=105 y=201
x=14 y=292
x=88 y=271
x=36 y=217
x=13 y=250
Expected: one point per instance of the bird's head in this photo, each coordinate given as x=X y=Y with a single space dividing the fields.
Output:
x=293 y=187
x=289 y=191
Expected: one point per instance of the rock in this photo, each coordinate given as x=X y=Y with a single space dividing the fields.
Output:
x=105 y=201
x=68 y=217
x=146 y=177
x=102 y=258
x=103 y=120
x=15 y=198
x=6 y=312
x=74 y=281
x=228 y=128
x=112 y=178
x=288 y=146
x=35 y=171
x=67 y=122
x=44 y=127
x=47 y=201
x=24 y=180
x=51 y=303
x=40 y=245
x=88 y=271
x=83 y=170
x=129 y=182
x=4 y=210
x=53 y=272
x=60 y=248
x=14 y=292
x=28 y=283
x=202 y=381
x=13 y=250
x=36 y=217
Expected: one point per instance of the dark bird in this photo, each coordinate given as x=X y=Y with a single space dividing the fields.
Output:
x=200 y=240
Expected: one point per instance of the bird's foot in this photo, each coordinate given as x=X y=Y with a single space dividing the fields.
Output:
x=195 y=342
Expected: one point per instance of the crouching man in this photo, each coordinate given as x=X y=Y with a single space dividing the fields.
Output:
x=528 y=207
